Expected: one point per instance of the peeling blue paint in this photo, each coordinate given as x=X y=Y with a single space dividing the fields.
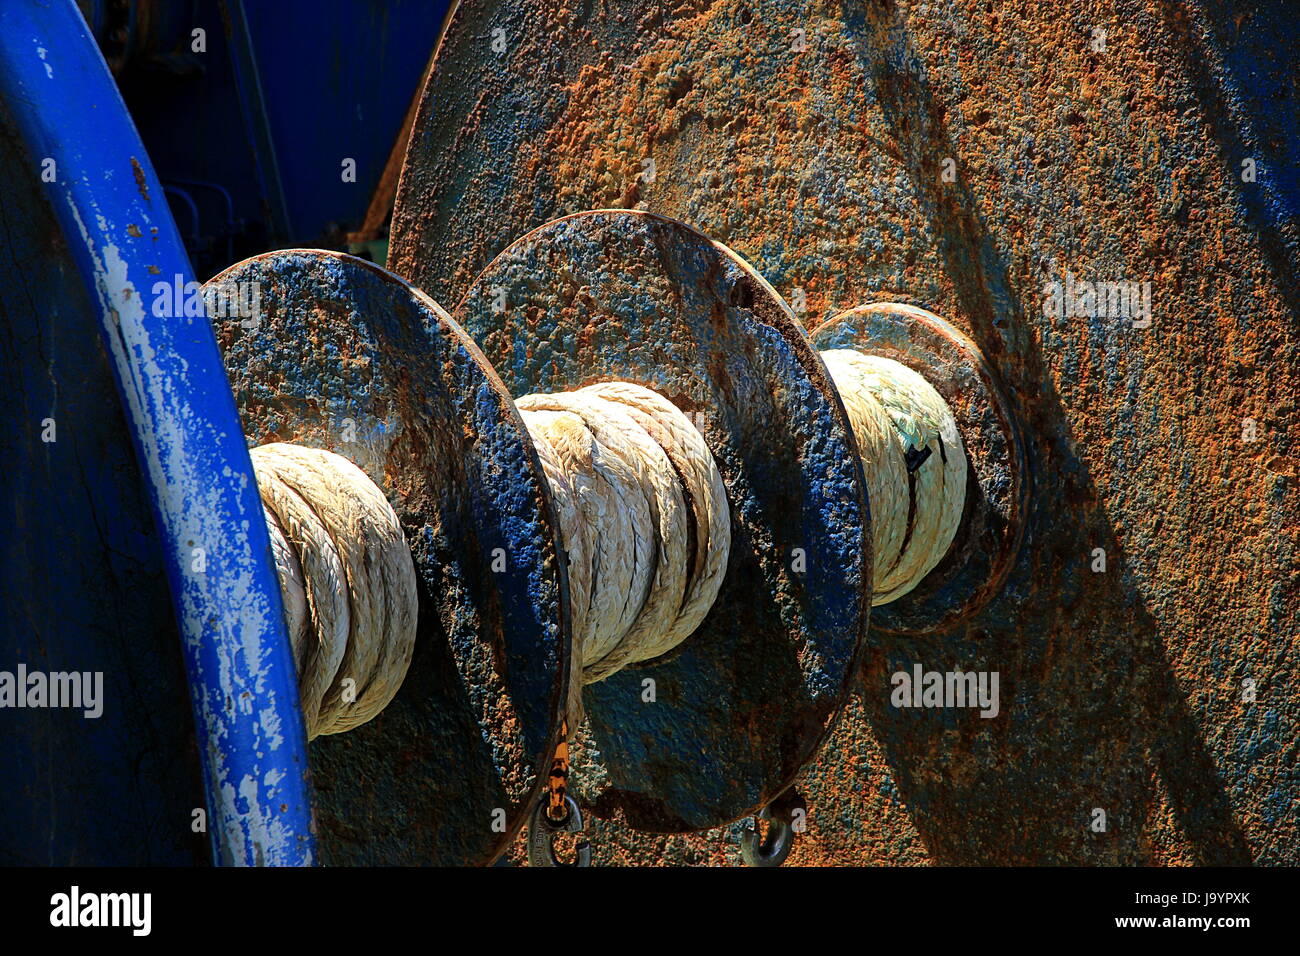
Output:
x=185 y=430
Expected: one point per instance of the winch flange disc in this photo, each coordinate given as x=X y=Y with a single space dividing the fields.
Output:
x=343 y=355
x=743 y=703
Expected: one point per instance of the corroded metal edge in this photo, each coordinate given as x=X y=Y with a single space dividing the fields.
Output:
x=346 y=356
x=998 y=483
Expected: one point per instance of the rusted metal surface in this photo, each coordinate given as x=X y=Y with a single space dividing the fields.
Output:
x=342 y=355
x=740 y=706
x=962 y=155
x=997 y=492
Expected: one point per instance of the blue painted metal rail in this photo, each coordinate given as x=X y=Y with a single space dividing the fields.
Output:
x=185 y=428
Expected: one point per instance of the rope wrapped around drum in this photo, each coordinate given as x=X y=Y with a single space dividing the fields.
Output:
x=643 y=516
x=347 y=581
x=914 y=463
x=704 y=530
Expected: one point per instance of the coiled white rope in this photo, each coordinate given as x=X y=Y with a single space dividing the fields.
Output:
x=914 y=516
x=347 y=580
x=643 y=515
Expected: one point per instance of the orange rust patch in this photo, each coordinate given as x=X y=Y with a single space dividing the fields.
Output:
x=140 y=182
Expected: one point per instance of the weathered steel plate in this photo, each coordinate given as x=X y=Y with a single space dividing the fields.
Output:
x=964 y=156
x=997 y=492
x=345 y=356
x=743 y=703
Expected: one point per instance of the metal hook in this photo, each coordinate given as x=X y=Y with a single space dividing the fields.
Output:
x=542 y=830
x=773 y=848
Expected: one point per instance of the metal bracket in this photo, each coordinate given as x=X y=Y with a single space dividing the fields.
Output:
x=542 y=831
